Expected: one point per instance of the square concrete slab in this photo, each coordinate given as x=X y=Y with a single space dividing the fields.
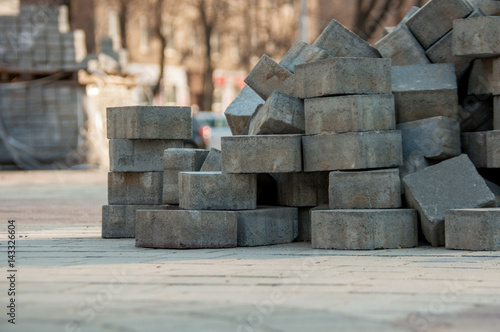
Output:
x=451 y=184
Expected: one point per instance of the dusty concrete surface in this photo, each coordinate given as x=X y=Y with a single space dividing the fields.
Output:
x=69 y=279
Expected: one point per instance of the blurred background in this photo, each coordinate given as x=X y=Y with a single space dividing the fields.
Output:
x=62 y=62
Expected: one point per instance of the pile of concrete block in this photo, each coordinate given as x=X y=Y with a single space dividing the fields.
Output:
x=138 y=137
x=358 y=148
x=39 y=38
x=352 y=105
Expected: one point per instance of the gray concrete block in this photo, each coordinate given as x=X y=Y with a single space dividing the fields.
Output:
x=484 y=79
x=349 y=113
x=217 y=191
x=483 y=148
x=441 y=52
x=118 y=221
x=359 y=151
x=380 y=189
x=339 y=41
x=493 y=146
x=364 y=229
x=451 y=184
x=496 y=113
x=301 y=53
x=175 y=161
x=149 y=122
x=268 y=76
x=302 y=189
x=473 y=229
x=127 y=155
x=402 y=48
x=241 y=109
x=477 y=37
x=181 y=229
x=488 y=7
x=267 y=226
x=436 y=18
x=340 y=76
x=474 y=145
x=281 y=114
x=434 y=138
x=425 y=91
x=262 y=154
x=213 y=162
x=135 y=188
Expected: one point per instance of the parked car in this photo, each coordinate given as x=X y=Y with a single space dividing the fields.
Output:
x=211 y=127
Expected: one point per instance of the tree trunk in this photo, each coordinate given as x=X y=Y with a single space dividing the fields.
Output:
x=163 y=44
x=208 y=85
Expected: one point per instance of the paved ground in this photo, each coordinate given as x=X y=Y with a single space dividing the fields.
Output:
x=69 y=279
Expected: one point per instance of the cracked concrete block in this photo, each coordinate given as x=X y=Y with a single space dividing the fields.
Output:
x=402 y=48
x=425 y=91
x=149 y=122
x=262 y=154
x=349 y=113
x=268 y=76
x=436 y=18
x=238 y=113
x=380 y=189
x=473 y=229
x=217 y=191
x=267 y=226
x=359 y=151
x=213 y=162
x=302 y=189
x=118 y=221
x=477 y=37
x=483 y=148
x=434 y=138
x=484 y=79
x=339 y=41
x=301 y=53
x=281 y=114
x=139 y=155
x=186 y=229
x=364 y=229
x=135 y=188
x=451 y=184
x=175 y=161
x=340 y=76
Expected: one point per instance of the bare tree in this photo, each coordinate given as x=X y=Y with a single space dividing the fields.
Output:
x=158 y=29
x=211 y=13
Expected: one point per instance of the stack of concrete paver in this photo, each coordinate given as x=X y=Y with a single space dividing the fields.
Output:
x=138 y=138
x=344 y=133
x=39 y=38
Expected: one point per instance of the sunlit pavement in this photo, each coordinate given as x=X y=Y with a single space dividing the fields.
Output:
x=69 y=279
